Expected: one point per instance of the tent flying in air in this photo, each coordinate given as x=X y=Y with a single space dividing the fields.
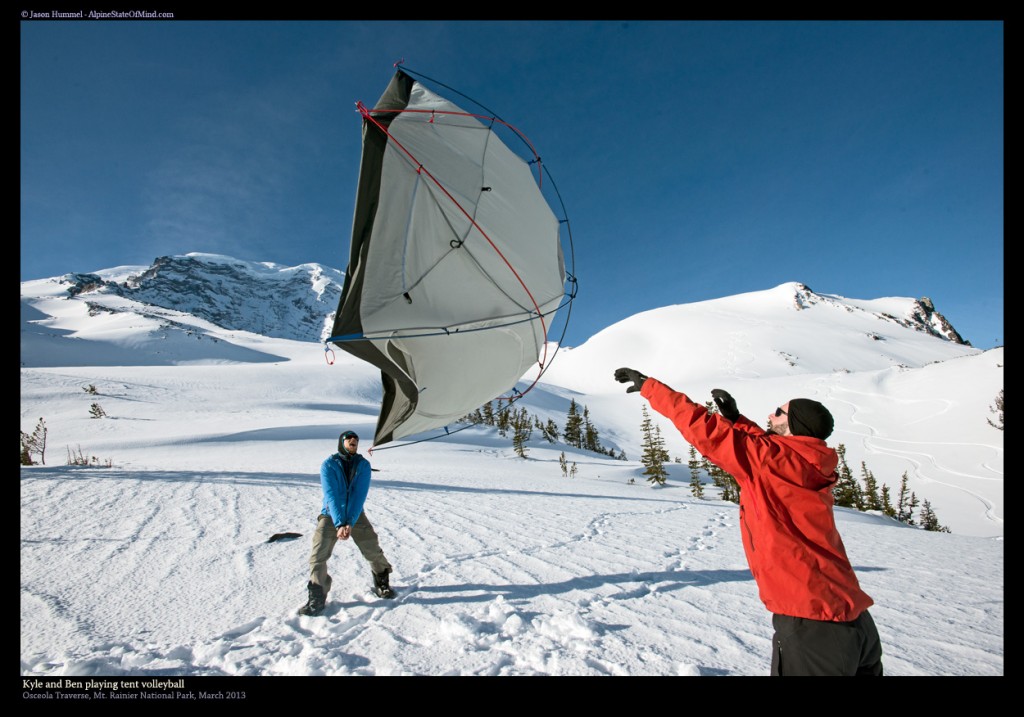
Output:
x=455 y=266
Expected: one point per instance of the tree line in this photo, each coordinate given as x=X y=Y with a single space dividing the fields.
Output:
x=579 y=431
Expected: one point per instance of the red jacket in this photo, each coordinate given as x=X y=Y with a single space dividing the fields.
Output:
x=789 y=532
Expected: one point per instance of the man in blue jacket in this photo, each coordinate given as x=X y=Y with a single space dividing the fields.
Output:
x=345 y=481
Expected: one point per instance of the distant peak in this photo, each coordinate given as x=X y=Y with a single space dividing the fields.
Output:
x=803 y=296
x=295 y=303
x=920 y=316
x=925 y=314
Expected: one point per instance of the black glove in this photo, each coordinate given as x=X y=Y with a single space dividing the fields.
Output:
x=726 y=404
x=625 y=375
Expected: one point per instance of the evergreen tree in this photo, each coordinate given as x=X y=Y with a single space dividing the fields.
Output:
x=550 y=431
x=696 y=487
x=503 y=419
x=927 y=515
x=930 y=521
x=887 y=508
x=488 y=414
x=564 y=464
x=660 y=443
x=730 y=489
x=734 y=486
x=906 y=501
x=998 y=410
x=34 y=442
x=846 y=491
x=869 y=498
x=472 y=417
x=651 y=452
x=26 y=457
x=590 y=435
x=712 y=471
x=913 y=504
x=522 y=428
x=573 y=425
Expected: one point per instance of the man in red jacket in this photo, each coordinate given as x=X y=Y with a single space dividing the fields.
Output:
x=785 y=474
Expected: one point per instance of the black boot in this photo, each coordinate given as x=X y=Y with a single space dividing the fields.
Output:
x=381 y=586
x=315 y=605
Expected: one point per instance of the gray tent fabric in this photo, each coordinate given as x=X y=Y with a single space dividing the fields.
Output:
x=455 y=257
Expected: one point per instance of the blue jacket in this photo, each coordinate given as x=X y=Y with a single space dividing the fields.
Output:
x=344 y=496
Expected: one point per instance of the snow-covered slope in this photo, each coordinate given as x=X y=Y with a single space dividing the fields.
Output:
x=780 y=332
x=907 y=396
x=160 y=565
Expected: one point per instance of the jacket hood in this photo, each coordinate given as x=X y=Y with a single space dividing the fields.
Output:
x=817 y=454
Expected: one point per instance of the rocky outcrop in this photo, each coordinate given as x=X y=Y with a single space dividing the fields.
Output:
x=926 y=315
x=295 y=303
x=82 y=283
x=921 y=316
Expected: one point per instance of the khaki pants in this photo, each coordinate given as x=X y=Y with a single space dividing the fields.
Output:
x=326 y=536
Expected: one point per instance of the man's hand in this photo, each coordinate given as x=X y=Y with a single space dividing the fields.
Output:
x=625 y=375
x=726 y=404
x=344 y=531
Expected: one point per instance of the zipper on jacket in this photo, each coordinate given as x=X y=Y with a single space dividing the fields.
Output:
x=348 y=485
x=750 y=533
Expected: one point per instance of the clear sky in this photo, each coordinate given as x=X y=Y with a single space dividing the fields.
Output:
x=695 y=159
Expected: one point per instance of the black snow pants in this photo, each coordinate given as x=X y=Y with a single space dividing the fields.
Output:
x=815 y=647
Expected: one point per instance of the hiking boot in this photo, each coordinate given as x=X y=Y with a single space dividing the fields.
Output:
x=381 y=586
x=315 y=605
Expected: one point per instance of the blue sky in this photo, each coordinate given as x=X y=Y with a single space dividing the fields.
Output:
x=695 y=159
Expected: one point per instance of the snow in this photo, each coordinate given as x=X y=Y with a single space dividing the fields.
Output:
x=159 y=565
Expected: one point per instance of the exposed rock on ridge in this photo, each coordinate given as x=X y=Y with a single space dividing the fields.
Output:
x=295 y=303
x=922 y=315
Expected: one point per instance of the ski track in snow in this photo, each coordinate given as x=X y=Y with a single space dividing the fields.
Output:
x=925 y=466
x=739 y=354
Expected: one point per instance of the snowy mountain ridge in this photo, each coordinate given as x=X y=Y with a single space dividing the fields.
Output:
x=919 y=314
x=233 y=294
x=296 y=303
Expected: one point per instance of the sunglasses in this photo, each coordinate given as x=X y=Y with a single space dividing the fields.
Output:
x=780 y=412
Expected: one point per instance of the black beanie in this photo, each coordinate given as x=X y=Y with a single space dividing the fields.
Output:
x=341 y=440
x=809 y=418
